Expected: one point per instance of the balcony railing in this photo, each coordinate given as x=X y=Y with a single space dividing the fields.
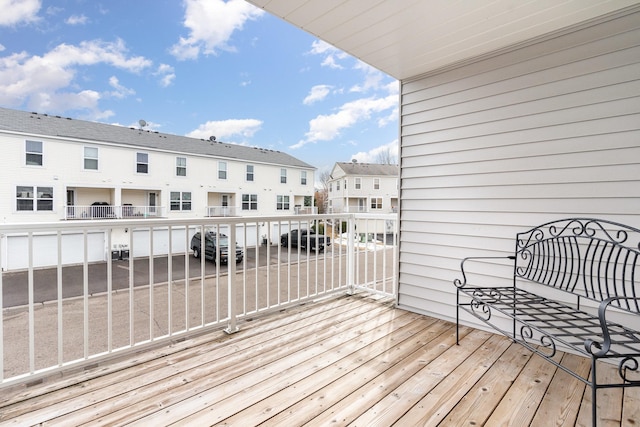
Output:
x=105 y=211
x=222 y=211
x=63 y=314
x=306 y=210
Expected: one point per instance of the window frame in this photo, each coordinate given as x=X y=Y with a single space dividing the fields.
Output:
x=222 y=170
x=375 y=203
x=283 y=202
x=140 y=163
x=39 y=203
x=86 y=158
x=251 y=174
x=283 y=175
x=31 y=153
x=376 y=183
x=181 y=167
x=358 y=183
x=251 y=202
x=182 y=203
x=303 y=177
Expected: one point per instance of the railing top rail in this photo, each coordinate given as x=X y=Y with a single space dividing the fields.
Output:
x=102 y=224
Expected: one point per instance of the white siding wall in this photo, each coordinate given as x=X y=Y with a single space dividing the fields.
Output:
x=63 y=168
x=547 y=131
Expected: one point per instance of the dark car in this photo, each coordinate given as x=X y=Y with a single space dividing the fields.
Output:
x=212 y=240
x=304 y=238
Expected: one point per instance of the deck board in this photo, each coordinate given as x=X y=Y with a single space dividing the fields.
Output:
x=352 y=360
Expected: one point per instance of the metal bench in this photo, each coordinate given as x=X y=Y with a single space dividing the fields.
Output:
x=589 y=303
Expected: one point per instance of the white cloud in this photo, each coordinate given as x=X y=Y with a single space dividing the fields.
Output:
x=211 y=24
x=120 y=91
x=2 y=47
x=76 y=20
x=317 y=93
x=332 y=56
x=373 y=155
x=47 y=83
x=166 y=74
x=328 y=127
x=226 y=129
x=16 y=12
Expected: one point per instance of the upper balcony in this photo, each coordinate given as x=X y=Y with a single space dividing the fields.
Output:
x=107 y=211
x=286 y=336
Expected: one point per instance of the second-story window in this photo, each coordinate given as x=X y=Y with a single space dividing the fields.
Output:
x=282 y=203
x=249 y=202
x=358 y=183
x=338 y=185
x=222 y=170
x=30 y=198
x=181 y=166
x=180 y=201
x=376 y=183
x=376 y=203
x=249 y=175
x=142 y=162
x=303 y=178
x=33 y=150
x=283 y=176
x=91 y=158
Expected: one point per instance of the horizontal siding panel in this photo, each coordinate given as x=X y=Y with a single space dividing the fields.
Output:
x=527 y=84
x=578 y=115
x=502 y=148
x=490 y=149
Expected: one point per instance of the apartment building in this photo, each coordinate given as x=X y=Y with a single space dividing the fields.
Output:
x=363 y=188
x=58 y=168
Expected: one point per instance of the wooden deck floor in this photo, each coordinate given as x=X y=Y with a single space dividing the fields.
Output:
x=348 y=360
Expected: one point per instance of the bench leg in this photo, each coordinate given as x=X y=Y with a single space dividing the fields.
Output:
x=594 y=394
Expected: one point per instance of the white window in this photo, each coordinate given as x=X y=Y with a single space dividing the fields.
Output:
x=338 y=185
x=142 y=162
x=33 y=150
x=249 y=202
x=181 y=166
x=282 y=203
x=91 y=158
x=222 y=170
x=30 y=198
x=180 y=201
x=376 y=203
x=283 y=176
x=376 y=183
x=303 y=177
x=358 y=183
x=249 y=175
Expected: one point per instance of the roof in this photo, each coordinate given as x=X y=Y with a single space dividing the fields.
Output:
x=368 y=169
x=406 y=39
x=64 y=127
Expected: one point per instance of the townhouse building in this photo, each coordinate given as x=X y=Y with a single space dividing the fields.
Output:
x=62 y=169
x=363 y=188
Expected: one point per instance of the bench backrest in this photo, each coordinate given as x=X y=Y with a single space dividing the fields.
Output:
x=594 y=258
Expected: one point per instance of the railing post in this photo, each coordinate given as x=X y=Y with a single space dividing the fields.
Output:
x=351 y=254
x=231 y=281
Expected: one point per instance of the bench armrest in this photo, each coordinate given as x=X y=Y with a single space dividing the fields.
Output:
x=462 y=283
x=601 y=348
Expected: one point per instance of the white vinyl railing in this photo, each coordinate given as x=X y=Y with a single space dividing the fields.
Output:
x=59 y=314
x=105 y=211
x=223 y=211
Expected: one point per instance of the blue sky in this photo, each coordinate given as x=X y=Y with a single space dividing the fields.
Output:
x=196 y=68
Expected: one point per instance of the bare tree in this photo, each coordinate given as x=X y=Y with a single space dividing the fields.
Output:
x=322 y=193
x=385 y=157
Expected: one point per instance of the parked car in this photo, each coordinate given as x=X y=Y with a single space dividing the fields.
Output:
x=211 y=251
x=316 y=242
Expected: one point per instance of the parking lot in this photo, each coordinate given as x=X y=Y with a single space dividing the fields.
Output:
x=15 y=284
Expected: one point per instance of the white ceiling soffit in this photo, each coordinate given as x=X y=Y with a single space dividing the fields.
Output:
x=407 y=38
